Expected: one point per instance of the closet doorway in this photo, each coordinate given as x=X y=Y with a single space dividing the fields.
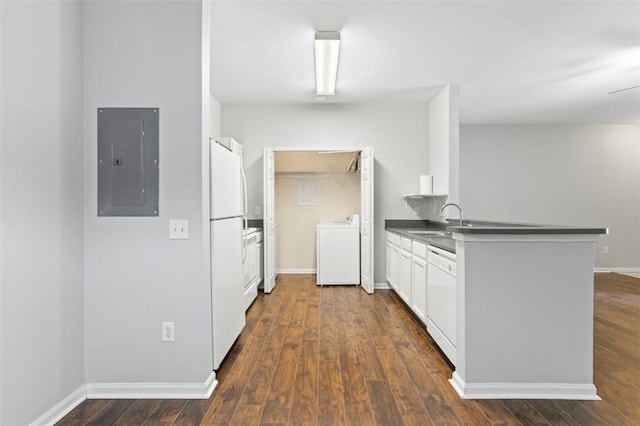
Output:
x=360 y=160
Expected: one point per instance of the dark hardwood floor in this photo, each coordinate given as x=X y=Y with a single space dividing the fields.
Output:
x=337 y=356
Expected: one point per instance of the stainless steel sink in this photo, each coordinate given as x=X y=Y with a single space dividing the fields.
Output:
x=431 y=233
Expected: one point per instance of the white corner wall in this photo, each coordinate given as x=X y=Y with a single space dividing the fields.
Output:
x=1 y=226
x=148 y=54
x=41 y=203
x=585 y=175
x=397 y=132
x=444 y=142
x=214 y=117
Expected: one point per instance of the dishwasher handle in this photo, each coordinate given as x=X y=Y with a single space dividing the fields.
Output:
x=442 y=261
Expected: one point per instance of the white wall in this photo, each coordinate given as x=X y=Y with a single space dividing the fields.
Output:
x=586 y=175
x=214 y=117
x=41 y=202
x=444 y=142
x=338 y=197
x=2 y=49
x=398 y=134
x=141 y=53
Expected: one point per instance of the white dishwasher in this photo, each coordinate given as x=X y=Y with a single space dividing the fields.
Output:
x=338 y=253
x=441 y=300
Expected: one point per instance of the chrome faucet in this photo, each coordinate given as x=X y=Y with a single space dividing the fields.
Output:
x=454 y=205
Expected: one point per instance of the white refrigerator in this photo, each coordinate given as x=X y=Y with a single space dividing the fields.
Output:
x=227 y=198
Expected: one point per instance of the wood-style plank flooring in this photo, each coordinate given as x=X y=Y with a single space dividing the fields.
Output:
x=337 y=356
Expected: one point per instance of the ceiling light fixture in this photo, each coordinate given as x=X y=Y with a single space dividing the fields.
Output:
x=327 y=50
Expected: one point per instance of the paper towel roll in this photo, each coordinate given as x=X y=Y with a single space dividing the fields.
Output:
x=426 y=184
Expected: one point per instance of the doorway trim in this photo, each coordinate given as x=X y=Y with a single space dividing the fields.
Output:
x=268 y=201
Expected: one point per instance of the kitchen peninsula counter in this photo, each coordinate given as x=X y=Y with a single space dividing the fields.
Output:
x=524 y=309
x=486 y=227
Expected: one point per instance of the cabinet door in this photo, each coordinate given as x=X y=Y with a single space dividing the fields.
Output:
x=389 y=259
x=260 y=263
x=250 y=259
x=419 y=299
x=405 y=276
x=395 y=275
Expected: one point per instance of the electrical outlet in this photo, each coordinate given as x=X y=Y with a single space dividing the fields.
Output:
x=179 y=229
x=256 y=210
x=605 y=249
x=169 y=331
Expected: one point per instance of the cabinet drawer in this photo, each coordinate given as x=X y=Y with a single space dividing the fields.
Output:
x=420 y=249
x=406 y=243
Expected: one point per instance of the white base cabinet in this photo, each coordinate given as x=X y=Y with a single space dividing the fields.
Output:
x=252 y=267
x=404 y=286
x=260 y=263
x=395 y=273
x=389 y=260
x=406 y=273
x=419 y=273
x=422 y=286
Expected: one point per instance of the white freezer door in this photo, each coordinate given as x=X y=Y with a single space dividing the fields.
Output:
x=226 y=183
x=227 y=285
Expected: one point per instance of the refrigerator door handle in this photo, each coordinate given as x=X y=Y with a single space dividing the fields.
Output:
x=243 y=246
x=245 y=208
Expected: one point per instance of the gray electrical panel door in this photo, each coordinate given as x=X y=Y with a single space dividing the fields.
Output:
x=128 y=151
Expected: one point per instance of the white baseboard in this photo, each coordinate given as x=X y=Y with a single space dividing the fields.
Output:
x=618 y=270
x=62 y=408
x=126 y=391
x=152 y=390
x=577 y=391
x=302 y=271
x=381 y=286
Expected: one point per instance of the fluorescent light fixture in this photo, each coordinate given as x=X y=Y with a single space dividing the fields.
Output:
x=327 y=50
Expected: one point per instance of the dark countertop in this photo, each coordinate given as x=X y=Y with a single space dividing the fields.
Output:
x=403 y=227
x=484 y=227
x=502 y=229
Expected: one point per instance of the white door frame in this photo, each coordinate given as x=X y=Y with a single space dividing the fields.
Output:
x=269 y=236
x=268 y=223
x=366 y=220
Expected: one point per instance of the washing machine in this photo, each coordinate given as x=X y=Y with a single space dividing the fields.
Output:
x=338 y=253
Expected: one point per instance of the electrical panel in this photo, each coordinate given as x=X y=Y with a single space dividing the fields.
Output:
x=128 y=161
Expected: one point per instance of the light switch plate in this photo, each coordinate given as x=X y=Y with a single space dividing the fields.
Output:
x=178 y=229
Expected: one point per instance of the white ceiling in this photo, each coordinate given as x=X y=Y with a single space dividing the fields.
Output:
x=515 y=61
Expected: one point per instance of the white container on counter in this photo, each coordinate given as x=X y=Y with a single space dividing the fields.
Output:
x=426 y=184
